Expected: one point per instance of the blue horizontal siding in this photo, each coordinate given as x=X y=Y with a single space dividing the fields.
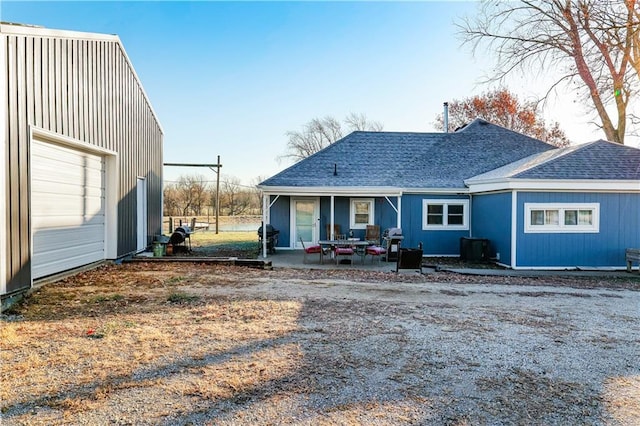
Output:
x=491 y=219
x=434 y=243
x=619 y=229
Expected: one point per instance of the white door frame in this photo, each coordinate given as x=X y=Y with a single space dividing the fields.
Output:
x=294 y=241
x=111 y=183
x=141 y=213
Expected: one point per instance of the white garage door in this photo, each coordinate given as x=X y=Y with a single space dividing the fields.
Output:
x=67 y=208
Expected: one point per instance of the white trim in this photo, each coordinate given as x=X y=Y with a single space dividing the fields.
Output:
x=266 y=207
x=445 y=203
x=572 y=268
x=582 y=185
x=514 y=227
x=141 y=213
x=3 y=169
x=352 y=223
x=561 y=228
x=313 y=191
x=315 y=232
x=111 y=182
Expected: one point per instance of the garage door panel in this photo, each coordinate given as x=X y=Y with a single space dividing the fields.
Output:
x=70 y=190
x=64 y=205
x=51 y=262
x=67 y=177
x=65 y=155
x=46 y=240
x=67 y=208
x=62 y=221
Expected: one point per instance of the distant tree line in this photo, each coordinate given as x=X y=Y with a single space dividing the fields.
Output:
x=195 y=195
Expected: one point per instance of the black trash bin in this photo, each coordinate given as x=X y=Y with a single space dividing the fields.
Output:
x=409 y=258
x=474 y=249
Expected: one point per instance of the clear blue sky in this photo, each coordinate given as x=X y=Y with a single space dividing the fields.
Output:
x=231 y=78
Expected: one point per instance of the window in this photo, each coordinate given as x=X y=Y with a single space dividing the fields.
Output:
x=361 y=213
x=571 y=217
x=445 y=214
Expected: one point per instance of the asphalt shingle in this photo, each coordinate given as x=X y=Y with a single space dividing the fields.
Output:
x=410 y=160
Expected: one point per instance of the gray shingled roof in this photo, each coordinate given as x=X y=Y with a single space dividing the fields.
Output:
x=600 y=160
x=410 y=160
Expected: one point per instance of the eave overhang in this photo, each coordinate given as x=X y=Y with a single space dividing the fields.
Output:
x=356 y=191
x=583 y=185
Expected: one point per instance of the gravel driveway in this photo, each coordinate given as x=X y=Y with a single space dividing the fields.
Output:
x=403 y=350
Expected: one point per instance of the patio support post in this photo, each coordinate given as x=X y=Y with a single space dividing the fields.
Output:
x=331 y=233
x=265 y=206
x=399 y=210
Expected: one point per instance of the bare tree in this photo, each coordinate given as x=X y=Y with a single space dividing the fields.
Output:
x=361 y=122
x=319 y=133
x=192 y=194
x=593 y=44
x=257 y=193
x=234 y=198
x=170 y=200
x=502 y=107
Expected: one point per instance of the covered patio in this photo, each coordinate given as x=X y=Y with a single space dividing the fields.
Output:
x=295 y=259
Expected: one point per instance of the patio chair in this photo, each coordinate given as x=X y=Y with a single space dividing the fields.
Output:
x=336 y=230
x=373 y=234
x=376 y=251
x=316 y=248
x=343 y=251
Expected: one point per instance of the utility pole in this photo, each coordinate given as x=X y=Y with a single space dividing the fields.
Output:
x=211 y=167
x=217 y=192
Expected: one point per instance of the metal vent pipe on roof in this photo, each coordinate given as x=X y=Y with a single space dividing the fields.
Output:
x=446 y=117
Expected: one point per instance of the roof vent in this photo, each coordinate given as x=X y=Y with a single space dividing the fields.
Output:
x=335 y=169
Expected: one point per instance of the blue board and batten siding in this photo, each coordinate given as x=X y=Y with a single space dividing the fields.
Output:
x=281 y=218
x=619 y=228
x=434 y=242
x=491 y=219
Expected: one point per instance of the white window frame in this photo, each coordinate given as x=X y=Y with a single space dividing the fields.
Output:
x=352 y=213
x=445 y=214
x=561 y=227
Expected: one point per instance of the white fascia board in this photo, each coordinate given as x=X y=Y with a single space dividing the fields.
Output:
x=584 y=185
x=26 y=30
x=450 y=191
x=357 y=191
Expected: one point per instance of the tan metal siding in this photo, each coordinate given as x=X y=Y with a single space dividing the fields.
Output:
x=84 y=89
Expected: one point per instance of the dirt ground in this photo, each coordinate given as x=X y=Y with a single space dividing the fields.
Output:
x=193 y=344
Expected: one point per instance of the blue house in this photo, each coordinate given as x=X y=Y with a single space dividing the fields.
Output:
x=537 y=205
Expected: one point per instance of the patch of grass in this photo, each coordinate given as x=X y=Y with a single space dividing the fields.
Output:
x=182 y=298
x=175 y=280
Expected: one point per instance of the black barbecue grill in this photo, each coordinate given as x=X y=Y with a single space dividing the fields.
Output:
x=272 y=238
